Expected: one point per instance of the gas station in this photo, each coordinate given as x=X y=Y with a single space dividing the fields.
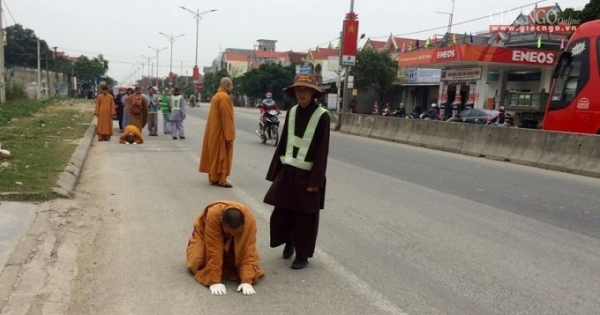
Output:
x=476 y=76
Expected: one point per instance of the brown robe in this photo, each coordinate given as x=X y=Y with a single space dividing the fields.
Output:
x=296 y=213
x=105 y=109
x=217 y=155
x=131 y=129
x=139 y=120
x=213 y=256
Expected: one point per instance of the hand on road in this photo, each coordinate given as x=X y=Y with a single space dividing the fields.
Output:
x=218 y=289
x=312 y=189
x=246 y=289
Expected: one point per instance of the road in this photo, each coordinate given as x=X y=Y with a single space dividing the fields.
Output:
x=406 y=230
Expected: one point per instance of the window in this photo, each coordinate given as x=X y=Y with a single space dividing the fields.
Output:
x=572 y=74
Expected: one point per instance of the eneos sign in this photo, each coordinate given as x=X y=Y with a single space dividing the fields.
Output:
x=448 y=54
x=535 y=57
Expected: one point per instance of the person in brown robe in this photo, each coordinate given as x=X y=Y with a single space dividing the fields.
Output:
x=217 y=148
x=223 y=247
x=105 y=110
x=137 y=119
x=298 y=184
x=131 y=135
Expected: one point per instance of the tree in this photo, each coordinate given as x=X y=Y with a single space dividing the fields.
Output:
x=374 y=69
x=21 y=47
x=267 y=78
x=86 y=69
x=590 y=12
x=212 y=81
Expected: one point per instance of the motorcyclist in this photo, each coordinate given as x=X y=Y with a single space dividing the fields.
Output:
x=267 y=105
x=498 y=119
x=432 y=113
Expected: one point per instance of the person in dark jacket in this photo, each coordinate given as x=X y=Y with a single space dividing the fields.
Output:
x=119 y=103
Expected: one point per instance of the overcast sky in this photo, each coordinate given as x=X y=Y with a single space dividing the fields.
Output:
x=122 y=30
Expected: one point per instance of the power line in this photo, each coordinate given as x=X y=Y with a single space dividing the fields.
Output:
x=10 y=13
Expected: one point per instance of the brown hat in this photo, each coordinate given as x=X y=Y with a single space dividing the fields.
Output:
x=306 y=80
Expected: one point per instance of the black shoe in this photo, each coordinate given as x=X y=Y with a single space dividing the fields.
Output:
x=300 y=263
x=288 y=250
x=182 y=138
x=174 y=138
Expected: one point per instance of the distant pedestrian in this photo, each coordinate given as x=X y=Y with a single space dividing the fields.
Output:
x=298 y=173
x=153 y=108
x=217 y=148
x=166 y=110
x=105 y=110
x=126 y=107
x=119 y=103
x=177 y=116
x=137 y=109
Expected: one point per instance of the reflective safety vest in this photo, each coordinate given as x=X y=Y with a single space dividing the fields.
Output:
x=176 y=102
x=303 y=144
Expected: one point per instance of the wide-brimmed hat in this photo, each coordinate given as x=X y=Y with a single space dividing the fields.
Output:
x=306 y=80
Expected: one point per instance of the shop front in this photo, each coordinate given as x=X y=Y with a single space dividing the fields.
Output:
x=475 y=76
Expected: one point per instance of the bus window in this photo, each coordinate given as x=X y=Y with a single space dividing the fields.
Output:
x=573 y=75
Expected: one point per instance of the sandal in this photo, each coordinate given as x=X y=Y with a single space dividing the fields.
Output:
x=225 y=185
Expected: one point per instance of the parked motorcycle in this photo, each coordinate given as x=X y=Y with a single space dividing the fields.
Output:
x=272 y=129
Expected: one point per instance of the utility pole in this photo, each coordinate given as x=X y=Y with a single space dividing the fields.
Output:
x=339 y=77
x=39 y=72
x=345 y=103
x=56 y=91
x=181 y=73
x=197 y=16
x=47 y=74
x=450 y=17
x=149 y=58
x=172 y=40
x=142 y=73
x=157 y=50
x=2 y=83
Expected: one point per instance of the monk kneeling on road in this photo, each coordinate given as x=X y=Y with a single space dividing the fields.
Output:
x=131 y=135
x=223 y=247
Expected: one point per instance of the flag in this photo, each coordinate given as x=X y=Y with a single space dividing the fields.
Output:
x=417 y=44
x=562 y=43
x=539 y=43
x=454 y=36
x=427 y=42
x=471 y=37
x=350 y=41
x=465 y=38
x=403 y=46
x=410 y=46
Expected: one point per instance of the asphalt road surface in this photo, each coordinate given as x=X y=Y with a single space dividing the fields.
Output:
x=406 y=230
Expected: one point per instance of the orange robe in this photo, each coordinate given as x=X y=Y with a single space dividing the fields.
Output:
x=213 y=256
x=217 y=156
x=105 y=109
x=137 y=135
x=139 y=120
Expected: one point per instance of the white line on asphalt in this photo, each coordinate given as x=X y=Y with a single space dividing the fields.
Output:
x=360 y=286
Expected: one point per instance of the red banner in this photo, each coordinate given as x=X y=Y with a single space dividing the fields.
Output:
x=350 y=42
x=170 y=78
x=196 y=74
x=478 y=54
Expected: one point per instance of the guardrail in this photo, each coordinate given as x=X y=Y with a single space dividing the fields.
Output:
x=565 y=152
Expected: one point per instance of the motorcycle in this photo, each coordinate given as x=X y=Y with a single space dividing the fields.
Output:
x=272 y=129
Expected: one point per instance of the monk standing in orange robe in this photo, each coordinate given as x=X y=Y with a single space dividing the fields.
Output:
x=137 y=109
x=105 y=110
x=217 y=148
x=223 y=247
x=131 y=135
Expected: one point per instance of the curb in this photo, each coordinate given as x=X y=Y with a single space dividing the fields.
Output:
x=68 y=179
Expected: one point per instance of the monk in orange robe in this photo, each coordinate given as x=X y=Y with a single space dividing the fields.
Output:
x=217 y=148
x=131 y=134
x=137 y=109
x=223 y=247
x=105 y=110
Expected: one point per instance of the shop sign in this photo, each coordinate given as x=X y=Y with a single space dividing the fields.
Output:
x=423 y=75
x=464 y=74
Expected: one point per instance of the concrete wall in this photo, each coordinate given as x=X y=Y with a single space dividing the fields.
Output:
x=566 y=152
x=28 y=77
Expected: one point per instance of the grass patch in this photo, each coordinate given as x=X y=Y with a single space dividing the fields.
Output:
x=41 y=146
x=25 y=107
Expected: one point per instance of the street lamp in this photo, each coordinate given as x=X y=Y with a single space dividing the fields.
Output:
x=197 y=16
x=172 y=40
x=157 y=50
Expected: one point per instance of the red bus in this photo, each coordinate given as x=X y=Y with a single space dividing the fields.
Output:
x=574 y=98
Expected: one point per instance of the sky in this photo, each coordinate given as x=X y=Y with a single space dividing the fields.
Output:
x=122 y=30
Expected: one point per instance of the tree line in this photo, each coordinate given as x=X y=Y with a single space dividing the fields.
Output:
x=21 y=51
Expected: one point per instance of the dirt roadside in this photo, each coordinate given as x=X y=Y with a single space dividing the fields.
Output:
x=65 y=248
